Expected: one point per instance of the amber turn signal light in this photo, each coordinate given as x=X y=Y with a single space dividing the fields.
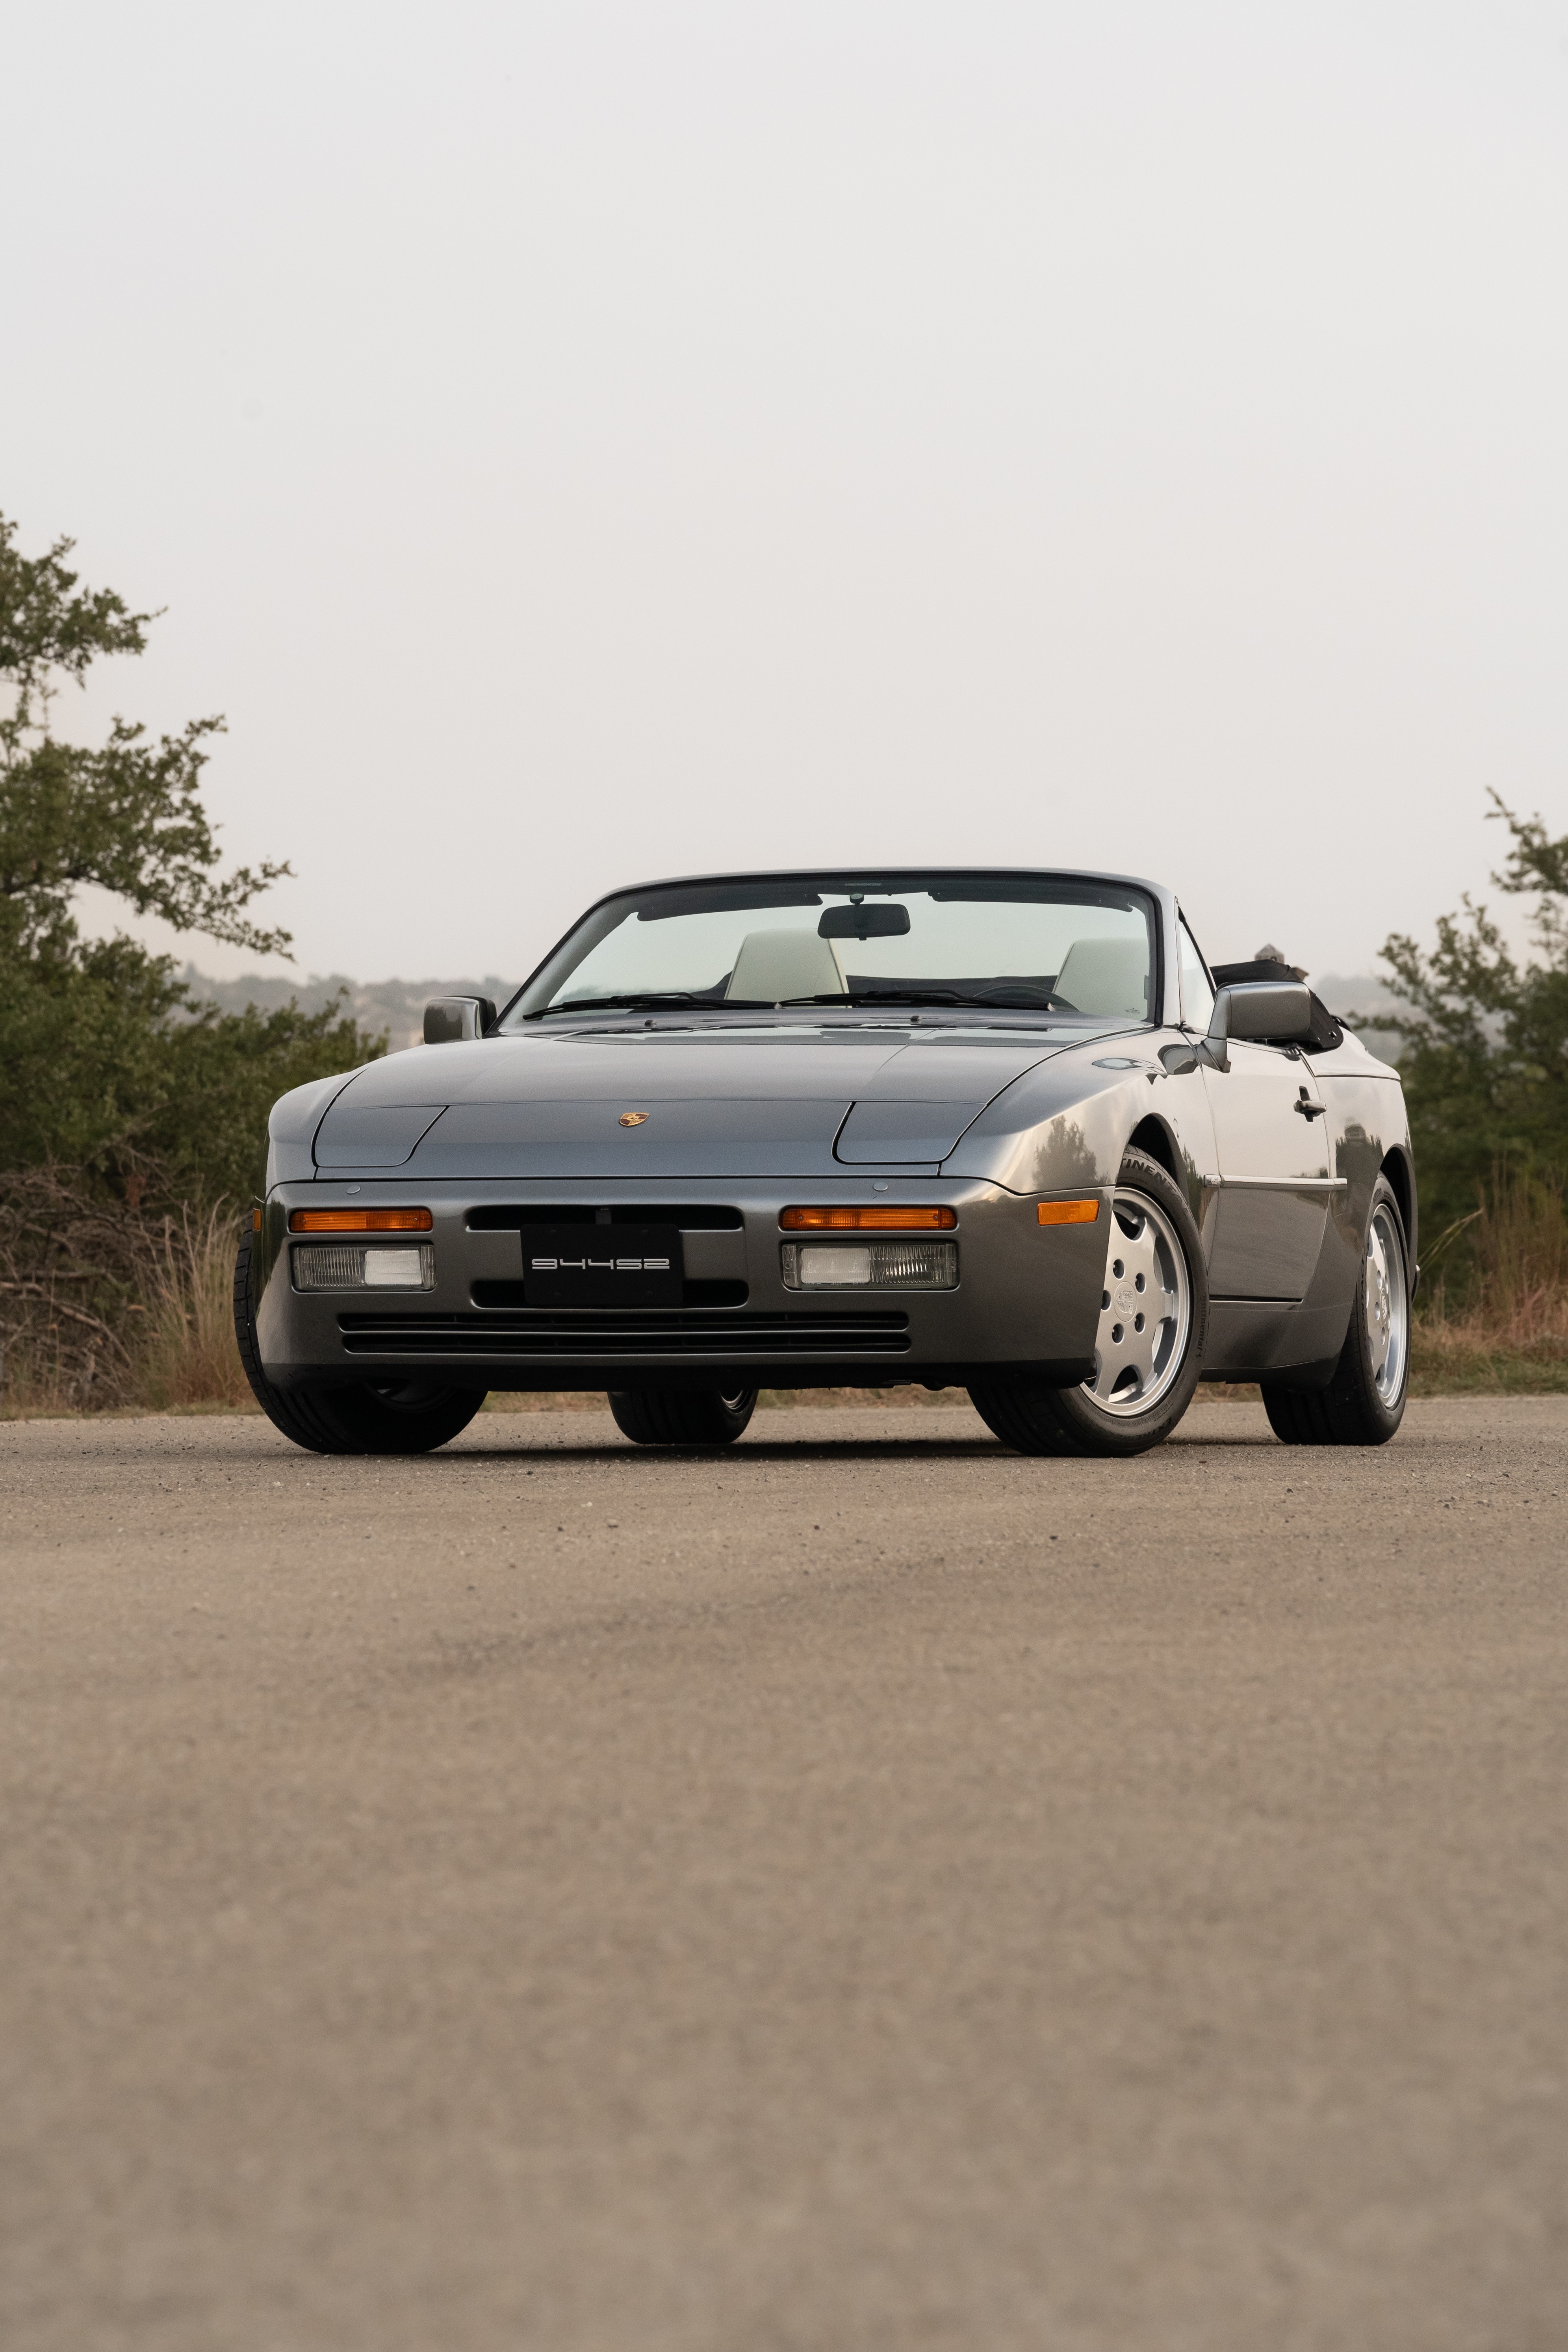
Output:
x=883 y=1219
x=360 y=1221
x=1067 y=1213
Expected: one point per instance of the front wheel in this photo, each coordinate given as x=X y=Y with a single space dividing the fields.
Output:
x=682 y=1416
x=1149 y=1346
x=383 y=1417
x=1363 y=1404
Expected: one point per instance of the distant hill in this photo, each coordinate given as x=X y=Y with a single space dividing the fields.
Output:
x=1360 y=993
x=395 y=1005
x=398 y=1005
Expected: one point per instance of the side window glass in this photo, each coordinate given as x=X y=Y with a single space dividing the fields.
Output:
x=1198 y=997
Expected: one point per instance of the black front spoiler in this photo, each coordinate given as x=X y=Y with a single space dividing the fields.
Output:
x=714 y=1373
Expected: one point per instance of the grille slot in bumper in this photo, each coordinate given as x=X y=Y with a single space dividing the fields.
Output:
x=688 y=1332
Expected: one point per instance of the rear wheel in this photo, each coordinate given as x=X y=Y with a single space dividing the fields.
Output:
x=377 y=1417
x=1363 y=1404
x=682 y=1416
x=1149 y=1347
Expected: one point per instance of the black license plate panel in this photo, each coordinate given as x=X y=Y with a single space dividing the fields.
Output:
x=602 y=1266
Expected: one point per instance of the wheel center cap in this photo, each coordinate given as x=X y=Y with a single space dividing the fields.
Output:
x=1126 y=1298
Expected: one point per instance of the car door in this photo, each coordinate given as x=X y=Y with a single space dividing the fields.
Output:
x=1272 y=1145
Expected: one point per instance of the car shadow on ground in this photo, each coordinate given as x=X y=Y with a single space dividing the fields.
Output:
x=832 y=1450
x=800 y=1449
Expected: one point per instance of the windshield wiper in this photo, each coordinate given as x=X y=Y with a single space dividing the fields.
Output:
x=654 y=997
x=860 y=998
x=1021 y=999
x=883 y=997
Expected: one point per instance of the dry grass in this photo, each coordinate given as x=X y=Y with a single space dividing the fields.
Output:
x=39 y=1381
x=71 y=1267
x=1504 y=1327
x=188 y=1355
x=107 y=1306
x=1456 y=1362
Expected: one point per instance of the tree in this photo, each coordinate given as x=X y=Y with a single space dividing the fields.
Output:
x=106 y=1060
x=1486 y=1058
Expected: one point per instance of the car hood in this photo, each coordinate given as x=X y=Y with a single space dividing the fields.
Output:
x=714 y=1103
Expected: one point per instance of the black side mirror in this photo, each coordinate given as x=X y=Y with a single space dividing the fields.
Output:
x=1262 y=1011
x=449 y=1019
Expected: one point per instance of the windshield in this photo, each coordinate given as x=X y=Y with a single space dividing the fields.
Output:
x=1032 y=942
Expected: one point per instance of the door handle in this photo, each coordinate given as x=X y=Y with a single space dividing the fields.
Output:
x=1309 y=1110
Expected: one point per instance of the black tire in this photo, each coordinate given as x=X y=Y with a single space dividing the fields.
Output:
x=1356 y=1408
x=390 y=1417
x=1022 y=1418
x=281 y=1408
x=682 y=1416
x=1069 y=1421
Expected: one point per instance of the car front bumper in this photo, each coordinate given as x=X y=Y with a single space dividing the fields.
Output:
x=1026 y=1305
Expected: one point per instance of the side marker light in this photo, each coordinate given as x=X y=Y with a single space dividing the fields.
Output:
x=1067 y=1213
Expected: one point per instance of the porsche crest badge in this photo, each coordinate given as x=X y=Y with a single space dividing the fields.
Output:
x=632 y=1119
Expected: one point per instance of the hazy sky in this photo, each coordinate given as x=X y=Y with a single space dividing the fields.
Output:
x=576 y=443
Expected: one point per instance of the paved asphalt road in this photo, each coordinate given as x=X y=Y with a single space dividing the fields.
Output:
x=867 y=1891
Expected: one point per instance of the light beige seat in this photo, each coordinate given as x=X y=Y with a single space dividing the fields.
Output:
x=1106 y=978
x=773 y=966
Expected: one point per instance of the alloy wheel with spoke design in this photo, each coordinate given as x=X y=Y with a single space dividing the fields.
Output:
x=1362 y=1402
x=1145 y=1307
x=1149 y=1342
x=1386 y=1303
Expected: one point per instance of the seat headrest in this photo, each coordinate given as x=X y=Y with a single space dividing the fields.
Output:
x=1108 y=978
x=775 y=965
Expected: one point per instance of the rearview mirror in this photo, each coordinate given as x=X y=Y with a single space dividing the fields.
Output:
x=863 y=922
x=449 y=1019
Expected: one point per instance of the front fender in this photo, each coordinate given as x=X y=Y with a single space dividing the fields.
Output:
x=1070 y=1120
x=291 y=1129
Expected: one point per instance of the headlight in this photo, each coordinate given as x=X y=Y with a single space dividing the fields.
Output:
x=347 y=1265
x=874 y=1266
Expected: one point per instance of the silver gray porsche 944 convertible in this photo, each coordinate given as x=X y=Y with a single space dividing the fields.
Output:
x=998 y=1129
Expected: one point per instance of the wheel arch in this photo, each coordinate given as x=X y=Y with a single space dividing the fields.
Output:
x=1155 y=1137
x=1152 y=1137
x=1401 y=1174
